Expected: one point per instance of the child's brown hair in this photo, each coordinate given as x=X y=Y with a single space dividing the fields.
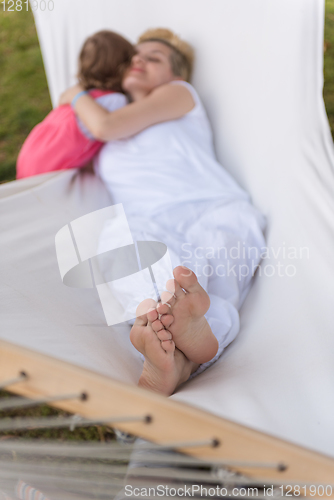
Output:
x=103 y=60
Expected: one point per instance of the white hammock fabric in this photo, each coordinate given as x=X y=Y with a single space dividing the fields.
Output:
x=259 y=73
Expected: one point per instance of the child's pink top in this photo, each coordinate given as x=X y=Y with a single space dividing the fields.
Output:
x=61 y=141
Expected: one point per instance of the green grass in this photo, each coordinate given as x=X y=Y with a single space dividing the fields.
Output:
x=93 y=433
x=24 y=95
x=329 y=62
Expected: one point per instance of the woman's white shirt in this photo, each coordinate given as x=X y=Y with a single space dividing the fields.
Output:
x=167 y=164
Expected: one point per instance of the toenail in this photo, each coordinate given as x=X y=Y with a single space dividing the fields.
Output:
x=172 y=293
x=166 y=304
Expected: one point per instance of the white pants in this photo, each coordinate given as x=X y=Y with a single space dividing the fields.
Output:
x=221 y=243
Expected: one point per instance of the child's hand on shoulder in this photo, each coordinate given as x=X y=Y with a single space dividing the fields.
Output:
x=69 y=94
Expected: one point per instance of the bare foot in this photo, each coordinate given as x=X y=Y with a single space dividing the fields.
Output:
x=182 y=313
x=165 y=367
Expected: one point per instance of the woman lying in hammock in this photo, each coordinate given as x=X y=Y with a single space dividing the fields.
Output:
x=160 y=164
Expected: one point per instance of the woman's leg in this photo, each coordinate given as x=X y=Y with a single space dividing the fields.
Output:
x=224 y=251
x=230 y=239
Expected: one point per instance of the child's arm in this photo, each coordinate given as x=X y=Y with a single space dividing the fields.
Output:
x=109 y=102
x=166 y=102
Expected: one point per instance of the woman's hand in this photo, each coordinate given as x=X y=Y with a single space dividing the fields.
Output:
x=69 y=94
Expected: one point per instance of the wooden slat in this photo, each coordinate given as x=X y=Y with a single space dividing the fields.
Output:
x=171 y=421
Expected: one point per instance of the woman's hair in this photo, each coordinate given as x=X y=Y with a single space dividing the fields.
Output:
x=103 y=59
x=182 y=54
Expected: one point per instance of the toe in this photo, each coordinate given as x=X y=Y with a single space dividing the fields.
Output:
x=187 y=280
x=168 y=346
x=174 y=287
x=167 y=320
x=145 y=306
x=157 y=326
x=152 y=315
x=170 y=286
x=164 y=335
x=163 y=308
x=167 y=298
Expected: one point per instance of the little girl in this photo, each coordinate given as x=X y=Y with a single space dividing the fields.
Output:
x=61 y=140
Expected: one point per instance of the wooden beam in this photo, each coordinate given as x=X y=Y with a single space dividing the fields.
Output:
x=171 y=421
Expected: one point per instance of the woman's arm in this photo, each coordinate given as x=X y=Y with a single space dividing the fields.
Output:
x=166 y=102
